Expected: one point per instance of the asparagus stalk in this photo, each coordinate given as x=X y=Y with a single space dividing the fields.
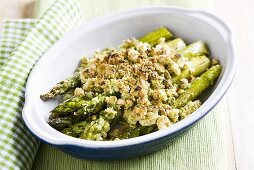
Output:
x=198 y=86
x=153 y=37
x=78 y=116
x=198 y=65
x=189 y=108
x=177 y=44
x=79 y=105
x=93 y=106
x=98 y=129
x=62 y=87
x=123 y=130
x=60 y=123
x=68 y=106
x=68 y=94
x=196 y=49
x=76 y=129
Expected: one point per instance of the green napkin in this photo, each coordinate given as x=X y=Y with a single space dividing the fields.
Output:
x=22 y=44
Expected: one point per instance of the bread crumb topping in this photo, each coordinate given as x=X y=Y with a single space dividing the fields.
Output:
x=137 y=77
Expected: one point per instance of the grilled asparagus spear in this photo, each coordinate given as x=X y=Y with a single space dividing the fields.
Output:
x=198 y=86
x=80 y=105
x=177 y=44
x=68 y=94
x=196 y=49
x=98 y=129
x=77 y=116
x=195 y=54
x=123 y=130
x=62 y=87
x=198 y=65
x=153 y=37
x=76 y=129
x=60 y=123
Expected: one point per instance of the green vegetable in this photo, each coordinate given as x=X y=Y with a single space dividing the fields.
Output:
x=68 y=94
x=98 y=129
x=80 y=105
x=123 y=130
x=60 y=123
x=189 y=108
x=62 y=87
x=198 y=86
x=196 y=49
x=151 y=80
x=81 y=114
x=198 y=64
x=92 y=106
x=76 y=129
x=153 y=37
x=177 y=44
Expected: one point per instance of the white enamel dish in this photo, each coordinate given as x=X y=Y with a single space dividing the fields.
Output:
x=109 y=31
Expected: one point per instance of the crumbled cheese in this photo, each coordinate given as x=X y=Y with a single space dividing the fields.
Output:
x=78 y=92
x=175 y=69
x=160 y=94
x=96 y=130
x=134 y=115
x=163 y=122
x=143 y=47
x=184 y=83
x=150 y=119
x=133 y=55
x=162 y=40
x=111 y=100
x=189 y=108
x=120 y=102
x=137 y=78
x=110 y=113
x=172 y=91
x=173 y=114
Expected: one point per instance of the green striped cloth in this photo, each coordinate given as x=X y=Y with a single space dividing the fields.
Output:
x=22 y=44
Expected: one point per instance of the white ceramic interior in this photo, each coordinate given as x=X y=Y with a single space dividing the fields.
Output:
x=63 y=58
